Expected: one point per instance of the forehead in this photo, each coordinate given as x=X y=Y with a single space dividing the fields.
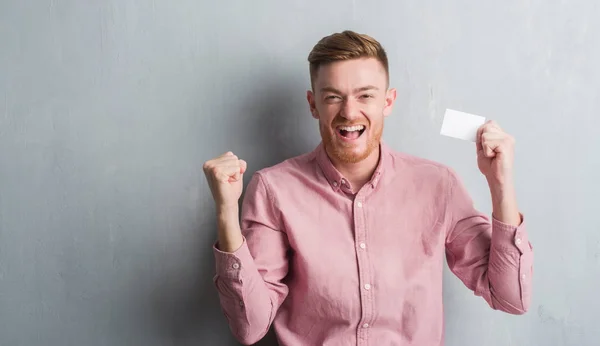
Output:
x=350 y=74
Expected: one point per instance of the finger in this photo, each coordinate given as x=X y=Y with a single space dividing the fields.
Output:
x=229 y=153
x=243 y=166
x=222 y=176
x=491 y=147
x=492 y=136
x=225 y=159
x=494 y=124
x=478 y=145
x=224 y=173
x=226 y=155
x=500 y=145
x=239 y=169
x=236 y=165
x=488 y=151
x=489 y=128
x=235 y=177
x=488 y=143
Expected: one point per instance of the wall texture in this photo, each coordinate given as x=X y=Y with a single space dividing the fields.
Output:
x=108 y=110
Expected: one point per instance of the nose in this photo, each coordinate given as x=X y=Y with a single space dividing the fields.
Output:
x=350 y=109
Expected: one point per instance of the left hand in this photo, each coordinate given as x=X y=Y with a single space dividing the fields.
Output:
x=495 y=153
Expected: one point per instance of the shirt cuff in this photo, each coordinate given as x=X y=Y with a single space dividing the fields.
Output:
x=231 y=264
x=504 y=234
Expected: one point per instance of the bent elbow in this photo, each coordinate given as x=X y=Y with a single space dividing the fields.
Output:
x=249 y=338
x=524 y=308
x=519 y=308
x=250 y=332
x=525 y=303
x=521 y=311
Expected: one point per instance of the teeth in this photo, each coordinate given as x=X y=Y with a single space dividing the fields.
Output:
x=352 y=128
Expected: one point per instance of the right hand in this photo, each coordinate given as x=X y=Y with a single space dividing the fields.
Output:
x=225 y=179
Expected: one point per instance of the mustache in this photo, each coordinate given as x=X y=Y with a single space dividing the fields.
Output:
x=343 y=122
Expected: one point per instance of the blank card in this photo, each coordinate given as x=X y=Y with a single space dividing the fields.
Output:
x=461 y=125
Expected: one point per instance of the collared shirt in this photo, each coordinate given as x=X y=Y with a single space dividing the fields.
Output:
x=329 y=267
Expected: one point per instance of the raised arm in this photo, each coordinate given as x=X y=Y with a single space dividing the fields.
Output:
x=250 y=256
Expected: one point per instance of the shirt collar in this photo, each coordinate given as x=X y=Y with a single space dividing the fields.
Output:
x=337 y=180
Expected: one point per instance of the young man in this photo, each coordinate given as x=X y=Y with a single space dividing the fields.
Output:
x=345 y=245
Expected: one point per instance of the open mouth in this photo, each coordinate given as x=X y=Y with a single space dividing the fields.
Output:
x=351 y=132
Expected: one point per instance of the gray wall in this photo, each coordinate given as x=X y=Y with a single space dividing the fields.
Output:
x=108 y=110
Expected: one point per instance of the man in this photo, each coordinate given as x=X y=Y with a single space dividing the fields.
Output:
x=345 y=245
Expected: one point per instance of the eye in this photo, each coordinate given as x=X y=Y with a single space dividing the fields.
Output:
x=366 y=96
x=332 y=98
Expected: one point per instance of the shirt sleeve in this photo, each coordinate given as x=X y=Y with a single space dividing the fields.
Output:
x=493 y=259
x=249 y=280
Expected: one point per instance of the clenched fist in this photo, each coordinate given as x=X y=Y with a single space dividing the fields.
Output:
x=495 y=153
x=225 y=178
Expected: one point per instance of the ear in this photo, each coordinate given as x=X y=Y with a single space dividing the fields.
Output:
x=390 y=97
x=310 y=97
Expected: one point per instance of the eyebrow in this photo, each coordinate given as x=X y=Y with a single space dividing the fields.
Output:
x=357 y=90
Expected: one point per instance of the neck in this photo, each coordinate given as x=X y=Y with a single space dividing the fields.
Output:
x=359 y=173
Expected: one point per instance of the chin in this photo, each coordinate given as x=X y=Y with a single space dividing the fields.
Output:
x=352 y=158
x=349 y=153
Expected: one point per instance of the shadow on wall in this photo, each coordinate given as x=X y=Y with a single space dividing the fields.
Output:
x=187 y=310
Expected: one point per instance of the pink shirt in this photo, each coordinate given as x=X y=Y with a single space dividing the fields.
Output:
x=327 y=267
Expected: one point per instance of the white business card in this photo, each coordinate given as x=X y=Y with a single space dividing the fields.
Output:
x=461 y=125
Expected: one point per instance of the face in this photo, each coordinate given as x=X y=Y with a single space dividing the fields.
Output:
x=350 y=99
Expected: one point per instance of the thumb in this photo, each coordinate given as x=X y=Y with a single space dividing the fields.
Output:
x=235 y=177
x=489 y=152
x=478 y=144
x=243 y=166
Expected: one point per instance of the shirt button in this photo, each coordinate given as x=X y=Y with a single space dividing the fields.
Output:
x=235 y=266
x=359 y=204
x=241 y=303
x=362 y=245
x=366 y=325
x=335 y=183
x=367 y=287
x=523 y=276
x=518 y=241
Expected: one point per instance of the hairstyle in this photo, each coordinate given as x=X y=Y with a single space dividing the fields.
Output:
x=346 y=45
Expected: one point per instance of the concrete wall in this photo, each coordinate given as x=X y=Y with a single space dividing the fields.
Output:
x=108 y=110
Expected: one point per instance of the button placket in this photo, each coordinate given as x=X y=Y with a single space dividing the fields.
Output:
x=364 y=275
